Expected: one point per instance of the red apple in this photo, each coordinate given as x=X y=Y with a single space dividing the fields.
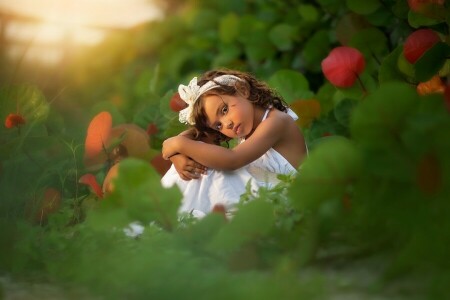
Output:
x=419 y=5
x=14 y=120
x=418 y=42
x=343 y=65
x=176 y=103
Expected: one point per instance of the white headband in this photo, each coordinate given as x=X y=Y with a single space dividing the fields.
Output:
x=193 y=91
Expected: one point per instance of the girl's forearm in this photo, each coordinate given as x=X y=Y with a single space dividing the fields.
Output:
x=209 y=155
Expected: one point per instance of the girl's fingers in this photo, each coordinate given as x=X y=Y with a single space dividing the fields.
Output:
x=199 y=169
x=196 y=165
x=202 y=167
x=194 y=171
x=194 y=174
x=185 y=175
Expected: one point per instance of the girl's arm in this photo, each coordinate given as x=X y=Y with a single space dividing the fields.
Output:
x=186 y=167
x=266 y=135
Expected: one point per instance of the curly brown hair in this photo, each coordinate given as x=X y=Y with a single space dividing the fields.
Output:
x=259 y=93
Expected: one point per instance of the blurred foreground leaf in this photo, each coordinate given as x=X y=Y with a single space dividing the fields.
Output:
x=326 y=174
x=138 y=196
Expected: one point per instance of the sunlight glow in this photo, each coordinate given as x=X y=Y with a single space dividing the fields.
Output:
x=77 y=22
x=115 y=13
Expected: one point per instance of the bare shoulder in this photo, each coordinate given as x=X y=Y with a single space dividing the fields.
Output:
x=291 y=144
x=274 y=122
x=277 y=124
x=280 y=117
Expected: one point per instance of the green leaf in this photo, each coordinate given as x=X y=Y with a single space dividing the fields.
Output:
x=150 y=114
x=361 y=88
x=26 y=100
x=29 y=102
x=174 y=56
x=343 y=110
x=291 y=85
x=380 y=117
x=445 y=71
x=107 y=106
x=380 y=17
x=371 y=42
x=36 y=141
x=325 y=97
x=308 y=12
x=332 y=6
x=404 y=65
x=253 y=35
x=229 y=28
x=259 y=48
x=164 y=105
x=330 y=168
x=203 y=231
x=204 y=19
x=235 y=6
x=282 y=36
x=316 y=49
x=417 y=20
x=139 y=194
x=252 y=221
x=432 y=61
x=228 y=53
x=323 y=128
x=363 y=7
x=400 y=9
x=174 y=127
x=348 y=25
x=389 y=70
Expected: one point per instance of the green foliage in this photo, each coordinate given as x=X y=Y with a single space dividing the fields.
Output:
x=432 y=61
x=372 y=194
x=327 y=173
x=291 y=85
x=138 y=196
x=363 y=8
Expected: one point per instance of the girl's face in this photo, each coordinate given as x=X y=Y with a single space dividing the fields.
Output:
x=231 y=115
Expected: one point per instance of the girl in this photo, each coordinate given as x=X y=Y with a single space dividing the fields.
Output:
x=231 y=104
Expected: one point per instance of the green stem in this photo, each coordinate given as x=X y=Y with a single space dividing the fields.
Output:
x=376 y=58
x=362 y=85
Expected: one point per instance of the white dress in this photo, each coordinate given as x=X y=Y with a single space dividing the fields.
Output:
x=226 y=187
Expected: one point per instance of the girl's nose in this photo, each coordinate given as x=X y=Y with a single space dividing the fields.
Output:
x=229 y=124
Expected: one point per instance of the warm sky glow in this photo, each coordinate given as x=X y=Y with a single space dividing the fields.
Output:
x=79 y=22
x=116 y=13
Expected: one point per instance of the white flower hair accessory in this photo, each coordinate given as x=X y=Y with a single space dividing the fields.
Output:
x=193 y=91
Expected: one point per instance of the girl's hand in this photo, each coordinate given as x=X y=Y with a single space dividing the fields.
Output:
x=187 y=168
x=169 y=147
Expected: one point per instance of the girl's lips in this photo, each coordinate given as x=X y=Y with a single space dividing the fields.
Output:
x=237 y=129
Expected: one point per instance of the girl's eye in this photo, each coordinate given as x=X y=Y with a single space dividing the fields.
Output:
x=224 y=109
x=218 y=126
